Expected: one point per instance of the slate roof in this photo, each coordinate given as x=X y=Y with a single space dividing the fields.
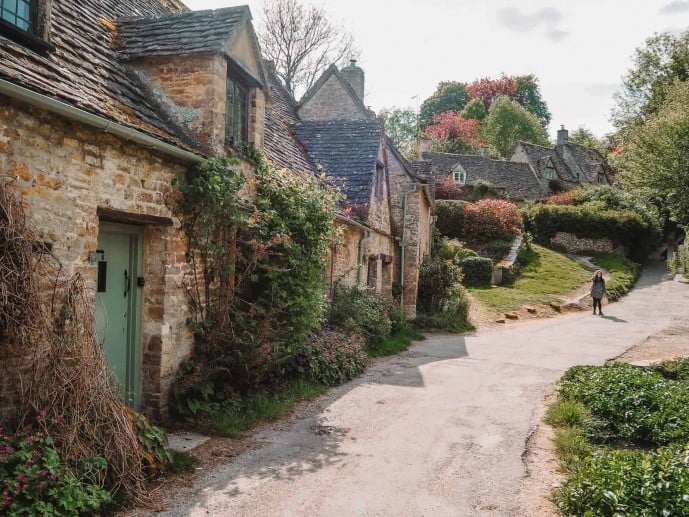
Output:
x=590 y=162
x=84 y=70
x=538 y=158
x=279 y=143
x=181 y=33
x=518 y=179
x=347 y=150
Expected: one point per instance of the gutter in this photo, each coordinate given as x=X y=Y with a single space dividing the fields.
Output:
x=100 y=123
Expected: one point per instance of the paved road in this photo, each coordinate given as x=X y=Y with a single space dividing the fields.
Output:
x=437 y=431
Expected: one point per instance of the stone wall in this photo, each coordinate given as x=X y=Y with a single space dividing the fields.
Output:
x=574 y=244
x=331 y=102
x=65 y=171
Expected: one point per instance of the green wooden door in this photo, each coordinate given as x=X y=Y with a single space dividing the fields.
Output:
x=118 y=313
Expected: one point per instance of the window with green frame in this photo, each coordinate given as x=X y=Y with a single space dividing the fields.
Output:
x=601 y=178
x=17 y=13
x=236 y=113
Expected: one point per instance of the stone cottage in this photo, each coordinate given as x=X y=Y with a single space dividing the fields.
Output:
x=102 y=104
x=571 y=164
x=386 y=217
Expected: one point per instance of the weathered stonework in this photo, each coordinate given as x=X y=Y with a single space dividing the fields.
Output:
x=574 y=244
x=65 y=171
x=331 y=102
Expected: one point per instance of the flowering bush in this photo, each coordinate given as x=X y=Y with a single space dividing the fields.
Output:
x=490 y=219
x=562 y=198
x=448 y=189
x=35 y=481
x=332 y=356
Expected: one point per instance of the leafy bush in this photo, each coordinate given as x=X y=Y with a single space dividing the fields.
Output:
x=496 y=250
x=525 y=252
x=477 y=270
x=454 y=250
x=360 y=311
x=676 y=369
x=450 y=218
x=35 y=481
x=436 y=279
x=623 y=482
x=490 y=219
x=452 y=316
x=331 y=357
x=630 y=404
x=562 y=198
x=623 y=274
x=481 y=189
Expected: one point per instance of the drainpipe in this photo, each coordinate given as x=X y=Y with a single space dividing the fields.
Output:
x=95 y=121
x=403 y=240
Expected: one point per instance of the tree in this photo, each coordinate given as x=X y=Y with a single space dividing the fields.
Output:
x=474 y=109
x=663 y=59
x=487 y=89
x=529 y=96
x=655 y=156
x=448 y=96
x=507 y=123
x=453 y=134
x=401 y=126
x=302 y=43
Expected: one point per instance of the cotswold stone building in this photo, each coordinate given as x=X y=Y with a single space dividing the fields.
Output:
x=387 y=214
x=102 y=104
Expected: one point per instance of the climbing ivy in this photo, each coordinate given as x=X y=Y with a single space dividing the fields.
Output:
x=257 y=242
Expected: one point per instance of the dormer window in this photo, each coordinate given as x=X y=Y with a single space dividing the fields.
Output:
x=26 y=22
x=236 y=113
x=601 y=178
x=459 y=177
x=16 y=13
x=549 y=173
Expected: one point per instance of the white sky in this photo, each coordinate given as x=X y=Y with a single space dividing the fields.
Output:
x=578 y=49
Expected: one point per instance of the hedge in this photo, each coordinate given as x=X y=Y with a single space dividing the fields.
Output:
x=477 y=270
x=450 y=218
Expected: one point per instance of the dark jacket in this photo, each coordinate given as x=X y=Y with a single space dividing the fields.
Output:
x=597 y=287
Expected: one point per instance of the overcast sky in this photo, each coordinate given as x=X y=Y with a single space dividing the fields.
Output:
x=578 y=49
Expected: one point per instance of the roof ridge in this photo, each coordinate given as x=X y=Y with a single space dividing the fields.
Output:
x=165 y=16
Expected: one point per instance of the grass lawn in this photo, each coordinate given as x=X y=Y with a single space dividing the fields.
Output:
x=547 y=276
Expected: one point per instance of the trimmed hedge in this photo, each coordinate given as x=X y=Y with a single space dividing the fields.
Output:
x=491 y=219
x=621 y=226
x=450 y=218
x=477 y=270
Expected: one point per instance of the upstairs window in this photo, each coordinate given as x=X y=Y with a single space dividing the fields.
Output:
x=17 y=13
x=459 y=177
x=601 y=178
x=549 y=173
x=236 y=113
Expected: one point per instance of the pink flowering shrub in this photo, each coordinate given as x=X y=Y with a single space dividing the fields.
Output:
x=35 y=481
x=490 y=219
x=332 y=356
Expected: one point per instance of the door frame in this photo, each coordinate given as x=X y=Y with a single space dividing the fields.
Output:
x=134 y=353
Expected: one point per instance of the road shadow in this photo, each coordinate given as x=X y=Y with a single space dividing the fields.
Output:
x=614 y=319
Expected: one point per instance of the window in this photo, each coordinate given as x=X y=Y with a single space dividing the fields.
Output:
x=17 y=13
x=459 y=177
x=601 y=178
x=236 y=116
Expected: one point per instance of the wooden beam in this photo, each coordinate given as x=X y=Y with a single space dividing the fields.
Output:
x=120 y=216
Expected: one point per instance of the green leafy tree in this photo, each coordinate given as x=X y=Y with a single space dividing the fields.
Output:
x=584 y=136
x=529 y=95
x=401 y=126
x=509 y=122
x=663 y=59
x=448 y=96
x=474 y=110
x=655 y=156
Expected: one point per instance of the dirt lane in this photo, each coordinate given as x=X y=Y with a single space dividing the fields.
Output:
x=437 y=431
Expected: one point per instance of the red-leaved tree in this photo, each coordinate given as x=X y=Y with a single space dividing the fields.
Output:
x=490 y=219
x=487 y=89
x=451 y=132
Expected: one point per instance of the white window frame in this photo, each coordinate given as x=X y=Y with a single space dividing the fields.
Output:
x=459 y=177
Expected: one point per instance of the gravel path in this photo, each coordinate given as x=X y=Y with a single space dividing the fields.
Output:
x=440 y=430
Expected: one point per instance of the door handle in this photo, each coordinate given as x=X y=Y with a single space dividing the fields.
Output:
x=126 y=283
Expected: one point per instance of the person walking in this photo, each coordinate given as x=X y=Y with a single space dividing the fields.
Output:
x=597 y=291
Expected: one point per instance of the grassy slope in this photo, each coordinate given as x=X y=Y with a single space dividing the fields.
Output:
x=547 y=276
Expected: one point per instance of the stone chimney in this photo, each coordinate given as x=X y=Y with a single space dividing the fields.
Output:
x=484 y=151
x=562 y=136
x=424 y=146
x=355 y=77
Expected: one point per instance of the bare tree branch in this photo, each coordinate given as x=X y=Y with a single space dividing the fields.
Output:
x=301 y=42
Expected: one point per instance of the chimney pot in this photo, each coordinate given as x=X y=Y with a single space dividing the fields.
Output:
x=354 y=75
x=562 y=136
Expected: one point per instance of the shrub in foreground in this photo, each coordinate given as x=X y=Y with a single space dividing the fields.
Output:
x=477 y=270
x=361 y=311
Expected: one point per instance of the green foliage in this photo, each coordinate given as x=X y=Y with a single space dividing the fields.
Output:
x=481 y=189
x=476 y=270
x=507 y=123
x=448 y=96
x=571 y=445
x=474 y=109
x=401 y=126
x=675 y=369
x=362 y=312
x=623 y=482
x=397 y=342
x=623 y=274
x=529 y=95
x=490 y=219
x=678 y=263
x=436 y=280
x=181 y=462
x=454 y=250
x=452 y=316
x=624 y=227
x=585 y=137
x=256 y=249
x=331 y=357
x=654 y=161
x=36 y=481
x=525 y=252
x=152 y=440
x=567 y=413
x=633 y=405
x=450 y=218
